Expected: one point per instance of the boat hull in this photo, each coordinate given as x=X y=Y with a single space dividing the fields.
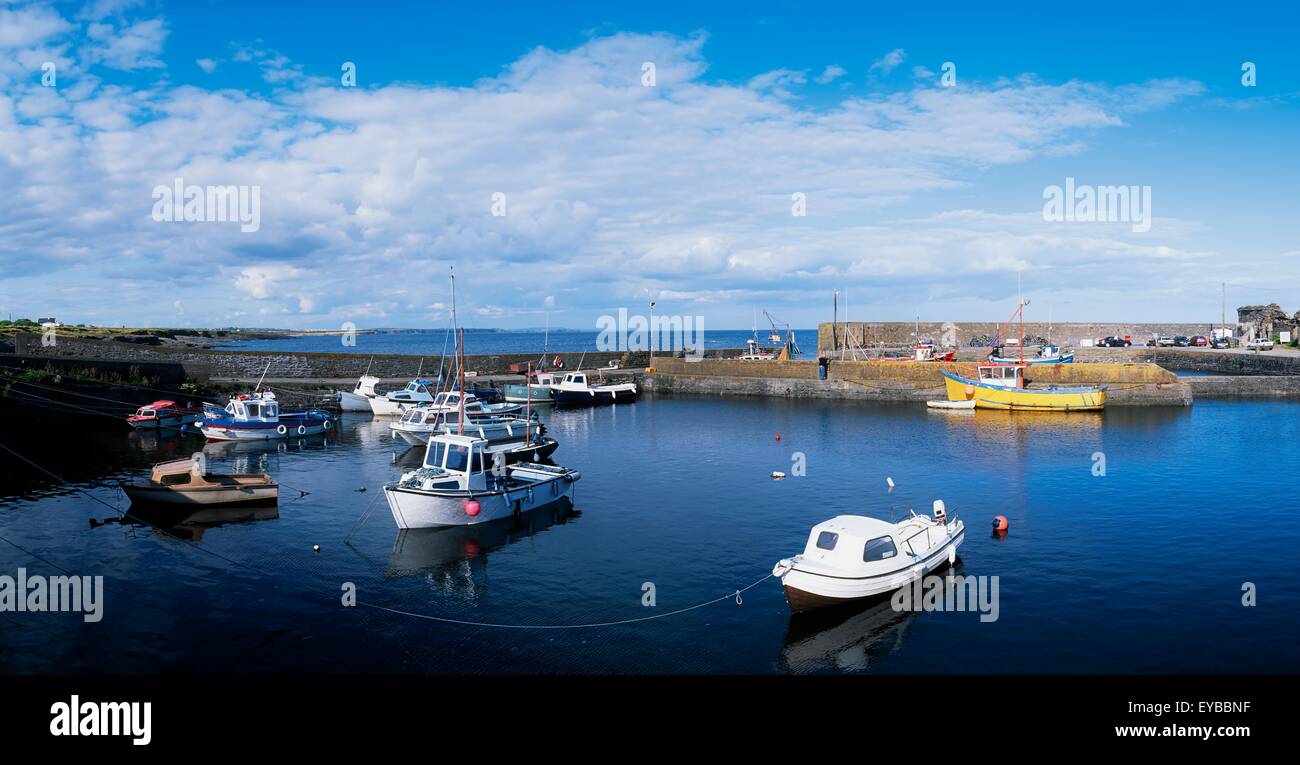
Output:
x=593 y=397
x=384 y=407
x=222 y=430
x=1024 y=399
x=523 y=394
x=421 y=509
x=805 y=591
x=207 y=496
x=352 y=402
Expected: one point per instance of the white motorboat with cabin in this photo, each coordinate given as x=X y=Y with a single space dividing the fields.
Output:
x=418 y=424
x=392 y=404
x=853 y=557
x=461 y=483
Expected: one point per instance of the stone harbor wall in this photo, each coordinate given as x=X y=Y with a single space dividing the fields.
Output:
x=1126 y=384
x=203 y=364
x=833 y=337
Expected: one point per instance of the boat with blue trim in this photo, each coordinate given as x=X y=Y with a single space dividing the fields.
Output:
x=256 y=416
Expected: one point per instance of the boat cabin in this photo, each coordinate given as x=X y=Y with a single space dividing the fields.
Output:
x=414 y=390
x=544 y=378
x=257 y=406
x=462 y=460
x=1002 y=375
x=848 y=542
x=366 y=386
x=577 y=379
x=448 y=400
x=155 y=409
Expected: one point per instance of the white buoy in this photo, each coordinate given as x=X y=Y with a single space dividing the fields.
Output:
x=315 y=548
x=889 y=482
x=777 y=475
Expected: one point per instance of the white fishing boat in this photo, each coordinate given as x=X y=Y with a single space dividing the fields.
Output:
x=358 y=399
x=461 y=484
x=185 y=483
x=575 y=389
x=853 y=557
x=755 y=353
x=417 y=425
x=392 y=404
x=450 y=402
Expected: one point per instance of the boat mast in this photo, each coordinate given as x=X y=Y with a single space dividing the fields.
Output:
x=263 y=377
x=528 y=405
x=460 y=426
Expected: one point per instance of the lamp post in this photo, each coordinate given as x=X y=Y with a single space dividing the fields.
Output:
x=652 y=333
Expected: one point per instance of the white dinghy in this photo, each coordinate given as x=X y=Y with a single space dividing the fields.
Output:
x=462 y=483
x=853 y=557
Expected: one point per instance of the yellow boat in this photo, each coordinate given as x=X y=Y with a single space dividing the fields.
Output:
x=1002 y=386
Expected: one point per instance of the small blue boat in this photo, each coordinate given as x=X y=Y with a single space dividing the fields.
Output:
x=256 y=417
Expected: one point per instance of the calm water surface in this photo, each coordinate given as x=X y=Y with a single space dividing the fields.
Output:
x=1139 y=570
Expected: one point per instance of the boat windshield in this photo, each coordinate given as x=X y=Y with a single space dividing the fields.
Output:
x=457 y=457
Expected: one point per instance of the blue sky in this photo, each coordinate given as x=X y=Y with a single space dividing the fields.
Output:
x=921 y=199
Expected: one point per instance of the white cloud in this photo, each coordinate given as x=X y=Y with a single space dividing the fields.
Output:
x=614 y=190
x=830 y=74
x=207 y=65
x=129 y=46
x=890 y=61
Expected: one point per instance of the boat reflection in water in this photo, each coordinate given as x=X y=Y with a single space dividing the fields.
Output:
x=255 y=456
x=453 y=559
x=182 y=524
x=852 y=638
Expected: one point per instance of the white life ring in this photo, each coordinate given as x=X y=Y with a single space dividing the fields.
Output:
x=302 y=430
x=325 y=424
x=281 y=429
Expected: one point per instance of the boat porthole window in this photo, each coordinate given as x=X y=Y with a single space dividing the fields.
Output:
x=827 y=539
x=880 y=548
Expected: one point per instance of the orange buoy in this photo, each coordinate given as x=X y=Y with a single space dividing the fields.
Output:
x=970 y=390
x=1000 y=523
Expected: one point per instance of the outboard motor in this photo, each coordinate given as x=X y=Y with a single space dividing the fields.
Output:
x=940 y=512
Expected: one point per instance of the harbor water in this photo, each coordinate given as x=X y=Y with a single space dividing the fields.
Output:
x=1136 y=566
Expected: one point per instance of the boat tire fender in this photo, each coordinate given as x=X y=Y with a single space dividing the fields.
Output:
x=281 y=429
x=302 y=430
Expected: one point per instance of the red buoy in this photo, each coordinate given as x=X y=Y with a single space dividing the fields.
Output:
x=778 y=436
x=1000 y=523
x=471 y=508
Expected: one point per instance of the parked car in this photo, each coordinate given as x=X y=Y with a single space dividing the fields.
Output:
x=1116 y=342
x=1221 y=343
x=1182 y=341
x=1165 y=341
x=1200 y=341
x=1260 y=344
